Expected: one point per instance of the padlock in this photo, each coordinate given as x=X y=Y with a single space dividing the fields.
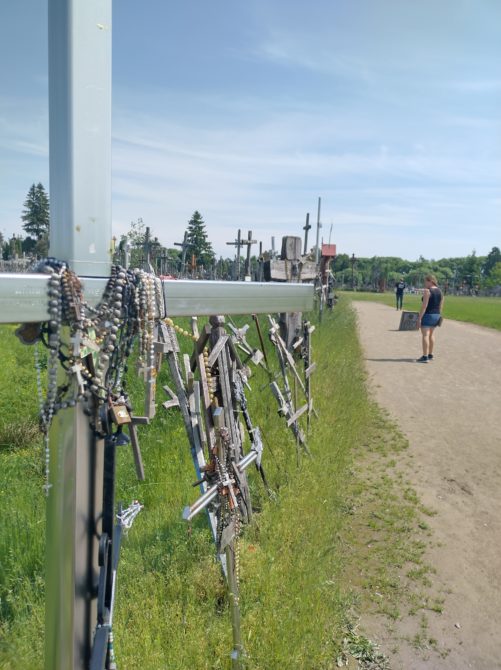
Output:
x=120 y=414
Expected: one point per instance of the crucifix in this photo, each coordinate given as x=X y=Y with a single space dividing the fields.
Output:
x=306 y=228
x=248 y=243
x=238 y=243
x=184 y=247
x=80 y=234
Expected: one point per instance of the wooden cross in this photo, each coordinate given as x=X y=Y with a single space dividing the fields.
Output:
x=238 y=243
x=319 y=225
x=80 y=234
x=184 y=247
x=306 y=228
x=248 y=243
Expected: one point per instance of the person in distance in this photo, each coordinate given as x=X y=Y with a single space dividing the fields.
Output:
x=399 y=292
x=430 y=316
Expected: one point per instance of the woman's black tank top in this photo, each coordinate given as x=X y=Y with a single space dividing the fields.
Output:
x=433 y=306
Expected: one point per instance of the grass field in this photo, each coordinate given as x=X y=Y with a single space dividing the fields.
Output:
x=482 y=311
x=306 y=570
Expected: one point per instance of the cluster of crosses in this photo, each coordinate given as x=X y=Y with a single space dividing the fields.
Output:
x=80 y=180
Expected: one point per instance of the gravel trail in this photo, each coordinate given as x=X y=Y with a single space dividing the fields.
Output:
x=449 y=409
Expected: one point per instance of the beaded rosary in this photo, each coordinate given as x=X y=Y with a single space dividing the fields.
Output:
x=95 y=351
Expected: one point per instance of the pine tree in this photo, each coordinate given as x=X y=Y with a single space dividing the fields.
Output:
x=36 y=212
x=491 y=260
x=198 y=243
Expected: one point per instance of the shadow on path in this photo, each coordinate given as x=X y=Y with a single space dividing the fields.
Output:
x=392 y=360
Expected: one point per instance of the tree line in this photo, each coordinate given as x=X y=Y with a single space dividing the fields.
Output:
x=194 y=255
x=468 y=274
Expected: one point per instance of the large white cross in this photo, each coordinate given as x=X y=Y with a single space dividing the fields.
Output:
x=80 y=233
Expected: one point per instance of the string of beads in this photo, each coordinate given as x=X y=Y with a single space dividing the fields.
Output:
x=100 y=340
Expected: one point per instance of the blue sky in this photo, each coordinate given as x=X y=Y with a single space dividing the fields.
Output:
x=390 y=110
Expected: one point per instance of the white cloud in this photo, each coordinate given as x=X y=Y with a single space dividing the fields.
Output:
x=264 y=176
x=477 y=85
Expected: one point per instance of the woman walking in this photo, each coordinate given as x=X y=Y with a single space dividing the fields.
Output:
x=430 y=316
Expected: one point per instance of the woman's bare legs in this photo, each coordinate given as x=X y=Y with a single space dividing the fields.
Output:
x=425 y=332
x=431 y=341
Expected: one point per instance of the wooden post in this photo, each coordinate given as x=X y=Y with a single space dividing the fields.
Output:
x=290 y=322
x=306 y=228
x=238 y=244
x=184 y=246
x=248 y=242
x=319 y=225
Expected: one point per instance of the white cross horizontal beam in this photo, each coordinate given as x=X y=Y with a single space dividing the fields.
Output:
x=23 y=297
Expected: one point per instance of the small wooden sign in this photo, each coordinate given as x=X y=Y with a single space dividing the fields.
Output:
x=408 y=321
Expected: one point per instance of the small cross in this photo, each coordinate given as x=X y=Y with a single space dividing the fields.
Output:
x=76 y=340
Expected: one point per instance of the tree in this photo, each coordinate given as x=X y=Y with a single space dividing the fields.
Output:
x=198 y=243
x=42 y=246
x=13 y=248
x=491 y=260
x=137 y=233
x=470 y=272
x=36 y=212
x=341 y=262
x=494 y=276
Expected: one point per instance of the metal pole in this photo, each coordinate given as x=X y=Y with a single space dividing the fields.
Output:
x=80 y=195
x=319 y=225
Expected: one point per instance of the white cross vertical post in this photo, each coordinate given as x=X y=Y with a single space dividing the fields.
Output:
x=80 y=233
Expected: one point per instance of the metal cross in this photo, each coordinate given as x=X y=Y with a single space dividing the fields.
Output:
x=80 y=234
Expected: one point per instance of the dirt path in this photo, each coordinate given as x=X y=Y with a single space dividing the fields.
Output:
x=450 y=410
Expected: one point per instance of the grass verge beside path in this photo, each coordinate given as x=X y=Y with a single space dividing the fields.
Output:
x=345 y=534
x=482 y=311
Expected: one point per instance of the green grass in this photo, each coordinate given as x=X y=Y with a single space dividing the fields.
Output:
x=22 y=526
x=482 y=311
x=344 y=535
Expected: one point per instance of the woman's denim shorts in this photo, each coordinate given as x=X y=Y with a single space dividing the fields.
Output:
x=430 y=320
